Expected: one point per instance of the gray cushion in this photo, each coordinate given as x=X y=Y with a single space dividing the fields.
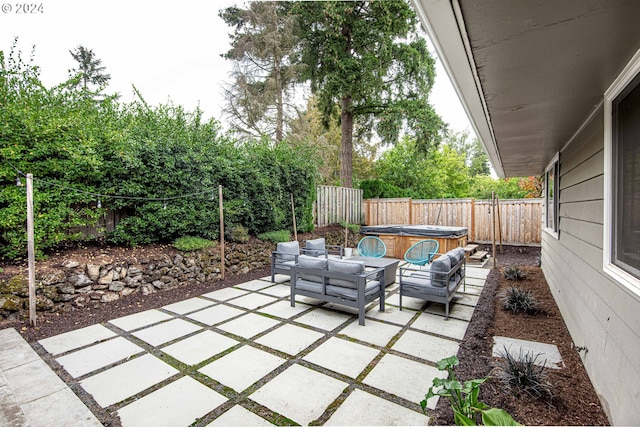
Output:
x=288 y=248
x=285 y=265
x=453 y=257
x=371 y=288
x=315 y=247
x=308 y=286
x=347 y=267
x=424 y=287
x=439 y=269
x=312 y=262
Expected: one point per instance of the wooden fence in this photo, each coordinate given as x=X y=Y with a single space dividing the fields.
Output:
x=520 y=219
x=333 y=204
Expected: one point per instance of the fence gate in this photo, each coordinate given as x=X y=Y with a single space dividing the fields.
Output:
x=334 y=204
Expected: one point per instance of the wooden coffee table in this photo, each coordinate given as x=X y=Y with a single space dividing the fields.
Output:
x=390 y=266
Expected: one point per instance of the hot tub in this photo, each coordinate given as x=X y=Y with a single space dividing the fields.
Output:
x=399 y=237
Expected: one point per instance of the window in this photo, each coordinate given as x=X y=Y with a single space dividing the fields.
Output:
x=625 y=110
x=551 y=178
x=622 y=178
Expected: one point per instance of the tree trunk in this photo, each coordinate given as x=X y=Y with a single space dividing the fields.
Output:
x=279 y=90
x=346 y=150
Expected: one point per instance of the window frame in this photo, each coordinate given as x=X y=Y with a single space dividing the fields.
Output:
x=628 y=280
x=553 y=166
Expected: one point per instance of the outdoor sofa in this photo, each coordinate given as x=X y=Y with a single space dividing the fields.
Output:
x=438 y=282
x=339 y=281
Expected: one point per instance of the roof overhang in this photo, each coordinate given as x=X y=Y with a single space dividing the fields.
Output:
x=529 y=73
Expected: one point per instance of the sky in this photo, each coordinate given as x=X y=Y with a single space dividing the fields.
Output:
x=168 y=50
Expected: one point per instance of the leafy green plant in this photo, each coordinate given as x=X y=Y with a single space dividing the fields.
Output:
x=520 y=300
x=238 y=234
x=463 y=397
x=191 y=243
x=524 y=374
x=353 y=228
x=514 y=273
x=276 y=236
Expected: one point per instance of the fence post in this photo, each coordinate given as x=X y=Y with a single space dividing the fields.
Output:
x=221 y=231
x=30 y=251
x=473 y=219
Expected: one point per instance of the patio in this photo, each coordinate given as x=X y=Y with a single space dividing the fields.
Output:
x=243 y=355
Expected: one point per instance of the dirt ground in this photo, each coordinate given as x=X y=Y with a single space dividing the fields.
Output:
x=575 y=401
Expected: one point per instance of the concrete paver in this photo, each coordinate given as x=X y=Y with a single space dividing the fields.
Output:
x=199 y=347
x=189 y=305
x=165 y=332
x=299 y=393
x=452 y=328
x=76 y=339
x=323 y=319
x=290 y=339
x=365 y=409
x=549 y=355
x=97 y=356
x=216 y=314
x=249 y=325
x=123 y=381
x=252 y=301
x=243 y=367
x=139 y=320
x=159 y=408
x=375 y=332
x=277 y=291
x=254 y=285
x=225 y=294
x=403 y=377
x=456 y=311
x=284 y=310
x=341 y=356
x=426 y=346
x=393 y=315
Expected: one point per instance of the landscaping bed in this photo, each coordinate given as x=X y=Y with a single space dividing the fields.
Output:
x=575 y=401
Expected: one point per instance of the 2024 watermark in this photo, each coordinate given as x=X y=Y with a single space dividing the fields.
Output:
x=22 y=8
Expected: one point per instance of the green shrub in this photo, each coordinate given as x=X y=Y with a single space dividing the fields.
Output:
x=519 y=300
x=514 y=273
x=238 y=234
x=191 y=243
x=523 y=374
x=353 y=228
x=276 y=236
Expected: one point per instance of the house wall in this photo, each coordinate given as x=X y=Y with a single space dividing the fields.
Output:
x=601 y=314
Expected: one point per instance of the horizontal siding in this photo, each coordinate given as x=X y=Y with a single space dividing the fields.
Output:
x=590 y=211
x=589 y=232
x=591 y=167
x=588 y=190
x=600 y=314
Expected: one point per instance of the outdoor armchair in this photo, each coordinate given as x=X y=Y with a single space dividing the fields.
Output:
x=372 y=246
x=318 y=247
x=422 y=252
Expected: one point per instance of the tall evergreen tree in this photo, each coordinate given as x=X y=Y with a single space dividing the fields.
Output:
x=260 y=98
x=366 y=59
x=90 y=68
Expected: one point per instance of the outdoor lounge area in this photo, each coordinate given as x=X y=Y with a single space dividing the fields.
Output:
x=243 y=355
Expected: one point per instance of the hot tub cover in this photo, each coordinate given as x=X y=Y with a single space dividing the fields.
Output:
x=414 y=230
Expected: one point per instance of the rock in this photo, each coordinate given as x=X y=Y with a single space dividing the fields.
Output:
x=70 y=264
x=93 y=271
x=43 y=303
x=80 y=280
x=65 y=288
x=166 y=279
x=17 y=285
x=158 y=284
x=80 y=302
x=178 y=259
x=110 y=297
x=134 y=271
x=107 y=279
x=53 y=277
x=147 y=289
x=96 y=295
x=127 y=291
x=123 y=273
x=11 y=302
x=116 y=286
x=84 y=290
